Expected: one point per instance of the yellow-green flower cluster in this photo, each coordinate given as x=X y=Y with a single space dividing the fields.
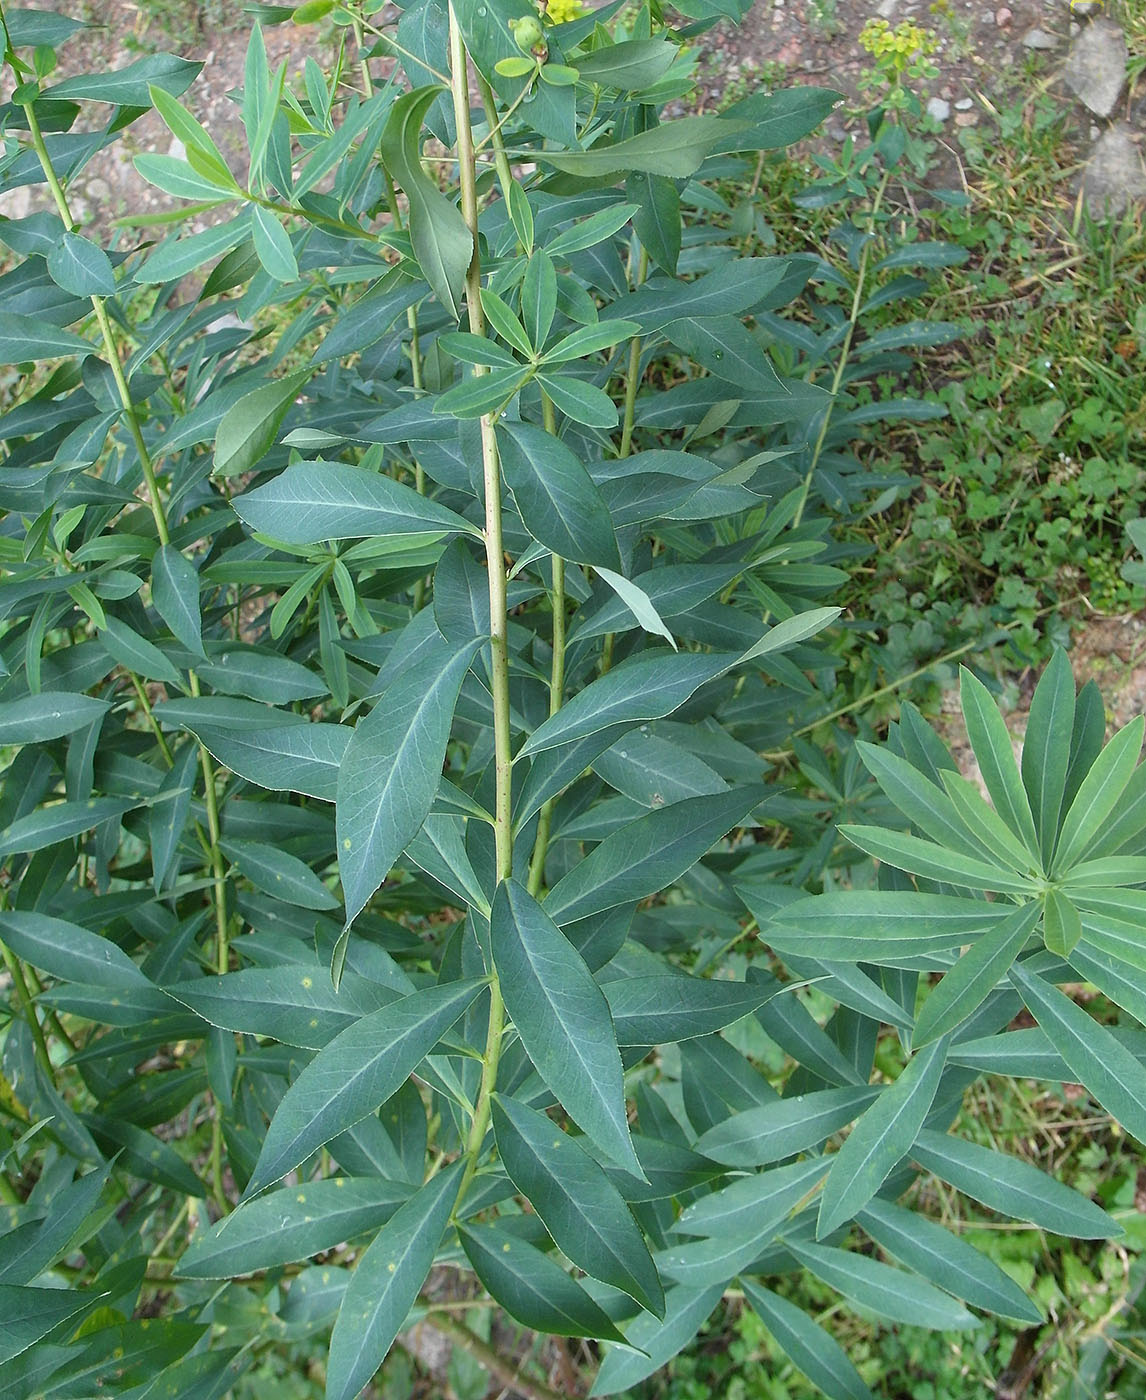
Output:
x=896 y=49
x=562 y=11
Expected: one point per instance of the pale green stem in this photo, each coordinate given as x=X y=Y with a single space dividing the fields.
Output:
x=501 y=160
x=495 y=570
x=16 y=972
x=633 y=378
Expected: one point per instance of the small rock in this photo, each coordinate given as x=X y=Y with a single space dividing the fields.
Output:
x=966 y=118
x=98 y=190
x=1075 y=29
x=1039 y=39
x=1115 y=173
x=1096 y=66
x=17 y=203
x=1003 y=17
x=886 y=8
x=1094 y=132
x=964 y=104
x=938 y=109
x=1085 y=8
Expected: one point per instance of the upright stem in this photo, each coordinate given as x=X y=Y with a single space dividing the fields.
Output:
x=495 y=569
x=633 y=378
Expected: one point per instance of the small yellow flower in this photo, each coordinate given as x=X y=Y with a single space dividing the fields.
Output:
x=562 y=11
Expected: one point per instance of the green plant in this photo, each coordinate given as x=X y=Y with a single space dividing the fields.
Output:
x=374 y=733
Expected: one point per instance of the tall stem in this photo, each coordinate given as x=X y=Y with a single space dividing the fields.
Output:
x=633 y=378
x=495 y=570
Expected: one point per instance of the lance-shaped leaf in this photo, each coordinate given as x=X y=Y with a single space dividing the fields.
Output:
x=576 y=1201
x=662 y=1010
x=1098 y=1061
x=562 y=1018
x=60 y=822
x=934 y=862
x=390 y=772
x=675 y=149
x=686 y=1310
x=648 y=854
x=175 y=593
x=559 y=503
x=881 y=1139
x=744 y=1206
x=443 y=245
x=68 y=951
x=805 y=1343
x=356 y=1073
x=27 y=1314
x=995 y=755
x=1046 y=748
x=291 y=757
x=386 y=1282
x=317 y=501
x=925 y=1246
x=773 y=1131
x=888 y=1292
x=248 y=429
x=280 y=874
x=291 y=1224
x=48 y=715
x=31 y=1248
x=1012 y=1187
x=533 y=1288
x=1098 y=795
x=26 y=338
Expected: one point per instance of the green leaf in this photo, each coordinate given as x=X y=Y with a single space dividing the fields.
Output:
x=889 y=1293
x=657 y=222
x=290 y=757
x=638 y=603
x=991 y=741
x=175 y=593
x=629 y=66
x=280 y=874
x=559 y=503
x=726 y=348
x=176 y=257
x=773 y=1131
x=177 y=177
x=921 y=801
x=941 y=1256
x=1012 y=1187
x=392 y=766
x=986 y=826
x=136 y=653
x=646 y=855
x=248 y=429
x=49 y=715
x=27 y=1314
x=792 y=630
x=1099 y=793
x=963 y=990
x=533 y=1288
x=591 y=231
x=60 y=822
x=168 y=815
x=562 y=1018
x=1099 y=1062
x=273 y=246
x=538 y=296
x=80 y=267
x=356 y=1073
x=386 y=1282
x=685 y=1313
x=676 y=149
x=317 y=501
x=811 y=1349
x=587 y=340
x=583 y=403
x=779 y=118
x=443 y=244
x=749 y=1202
x=663 y=1010
x=577 y=1203
x=934 y=862
x=27 y=338
x=27 y=1251
x=881 y=1139
x=290 y=1224
x=131 y=86
x=68 y=951
x=260 y=675
x=1062 y=925
x=1046 y=748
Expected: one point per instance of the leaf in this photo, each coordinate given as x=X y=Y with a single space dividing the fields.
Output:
x=657 y=222
x=773 y=1131
x=577 y=1203
x=629 y=66
x=68 y=951
x=725 y=347
x=290 y=1224
x=176 y=257
x=386 y=1282
x=27 y=1251
x=313 y=502
x=677 y=149
x=811 y=1349
x=1062 y=925
x=779 y=118
x=51 y=714
x=646 y=855
x=290 y=757
x=248 y=429
x=280 y=874
x=273 y=246
x=941 y=1256
x=558 y=501
x=81 y=267
x=533 y=1288
x=1046 y=748
x=889 y=1293
x=390 y=772
x=1012 y=1187
x=136 y=653
x=27 y=1314
x=27 y=338
x=562 y=1018
x=963 y=990
x=131 y=86
x=356 y=1073
x=443 y=244
x=792 y=630
x=747 y=1205
x=662 y=1010
x=639 y=604
x=921 y=801
x=587 y=233
x=177 y=177
x=686 y=1311
x=991 y=741
x=583 y=403
x=1099 y=1062
x=1099 y=793
x=60 y=822
x=175 y=593
x=168 y=815
x=881 y=1139
x=934 y=862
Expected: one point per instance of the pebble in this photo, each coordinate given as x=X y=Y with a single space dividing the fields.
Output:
x=938 y=109
x=1096 y=68
x=886 y=8
x=966 y=118
x=964 y=104
x=1039 y=39
x=1003 y=17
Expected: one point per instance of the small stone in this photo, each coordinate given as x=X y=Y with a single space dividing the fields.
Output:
x=886 y=8
x=1096 y=66
x=966 y=118
x=1037 y=38
x=964 y=104
x=98 y=190
x=938 y=109
x=1115 y=173
x=1085 y=8
x=1094 y=132
x=1003 y=17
